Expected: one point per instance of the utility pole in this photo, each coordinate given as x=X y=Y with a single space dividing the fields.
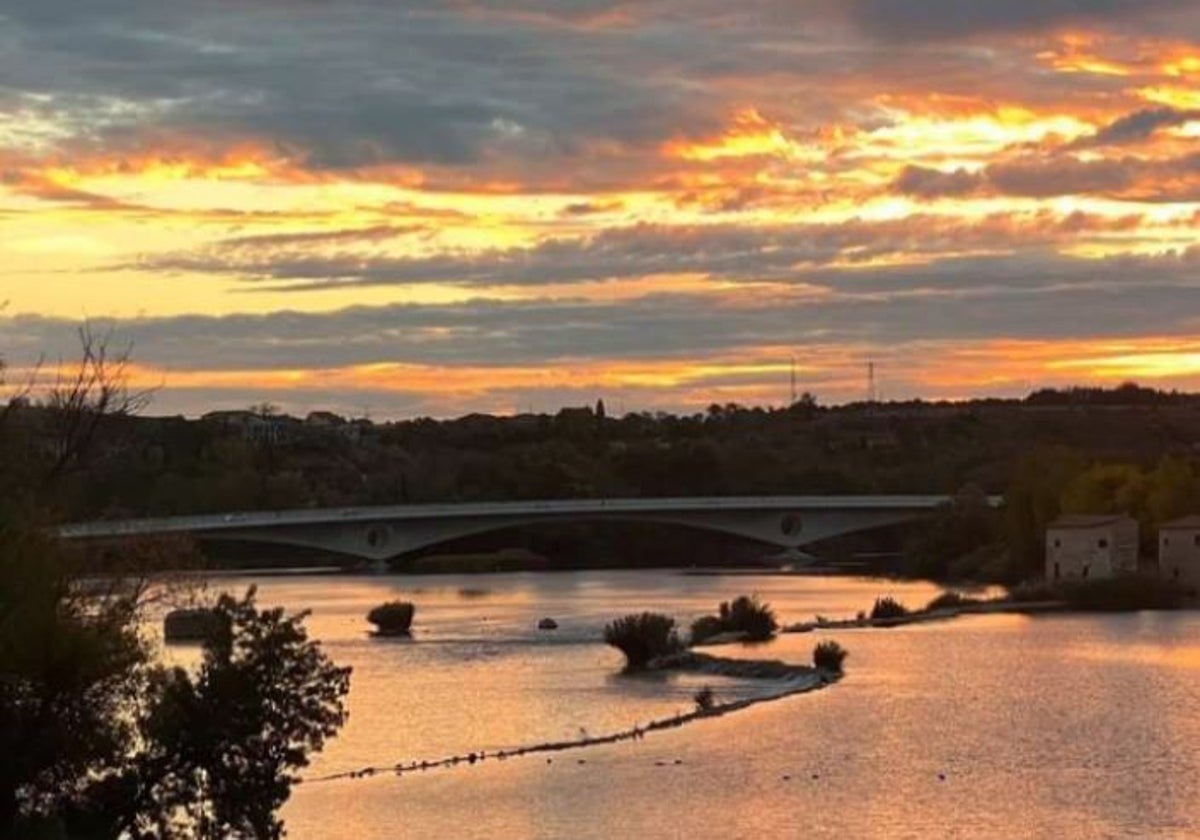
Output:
x=793 y=402
x=871 y=392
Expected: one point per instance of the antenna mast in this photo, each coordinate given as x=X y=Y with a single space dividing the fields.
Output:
x=793 y=380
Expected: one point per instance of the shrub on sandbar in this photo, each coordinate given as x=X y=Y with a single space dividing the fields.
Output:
x=949 y=600
x=642 y=638
x=393 y=618
x=888 y=607
x=746 y=614
x=829 y=656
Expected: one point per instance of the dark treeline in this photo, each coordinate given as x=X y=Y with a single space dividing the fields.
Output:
x=1054 y=451
x=165 y=466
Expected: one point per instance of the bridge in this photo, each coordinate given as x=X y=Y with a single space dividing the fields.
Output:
x=381 y=533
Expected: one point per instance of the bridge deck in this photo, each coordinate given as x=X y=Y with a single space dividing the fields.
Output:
x=581 y=507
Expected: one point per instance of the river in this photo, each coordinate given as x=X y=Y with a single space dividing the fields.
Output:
x=1066 y=726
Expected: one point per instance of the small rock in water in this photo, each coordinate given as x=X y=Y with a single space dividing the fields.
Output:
x=787 y=778
x=547 y=624
x=941 y=777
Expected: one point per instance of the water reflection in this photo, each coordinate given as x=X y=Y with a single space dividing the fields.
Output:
x=995 y=726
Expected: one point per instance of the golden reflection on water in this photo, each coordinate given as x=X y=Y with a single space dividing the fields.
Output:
x=1002 y=726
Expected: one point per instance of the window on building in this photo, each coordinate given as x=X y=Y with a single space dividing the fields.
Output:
x=1103 y=543
x=1086 y=569
x=1166 y=541
x=1058 y=543
x=1175 y=573
x=1057 y=571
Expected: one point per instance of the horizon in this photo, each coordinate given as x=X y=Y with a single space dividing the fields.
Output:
x=478 y=207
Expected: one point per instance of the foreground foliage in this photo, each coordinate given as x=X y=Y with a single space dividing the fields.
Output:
x=101 y=743
x=97 y=739
x=643 y=638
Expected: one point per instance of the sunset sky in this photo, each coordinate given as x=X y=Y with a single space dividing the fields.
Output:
x=496 y=205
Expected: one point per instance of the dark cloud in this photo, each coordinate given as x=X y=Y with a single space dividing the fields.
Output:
x=357 y=85
x=1039 y=295
x=945 y=19
x=1047 y=176
x=931 y=183
x=1136 y=127
x=721 y=251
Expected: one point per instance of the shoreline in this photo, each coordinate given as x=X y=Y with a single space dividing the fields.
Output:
x=925 y=616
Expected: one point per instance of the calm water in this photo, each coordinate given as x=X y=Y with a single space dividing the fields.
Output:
x=1064 y=727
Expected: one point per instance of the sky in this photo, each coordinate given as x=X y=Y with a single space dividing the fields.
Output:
x=433 y=208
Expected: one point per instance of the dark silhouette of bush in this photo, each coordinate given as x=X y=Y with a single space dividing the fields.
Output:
x=745 y=614
x=829 y=656
x=888 y=607
x=751 y=616
x=950 y=600
x=705 y=699
x=393 y=618
x=642 y=638
x=705 y=627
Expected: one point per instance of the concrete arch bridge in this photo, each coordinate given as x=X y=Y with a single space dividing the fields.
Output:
x=382 y=533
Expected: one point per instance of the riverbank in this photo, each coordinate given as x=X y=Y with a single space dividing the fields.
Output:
x=925 y=616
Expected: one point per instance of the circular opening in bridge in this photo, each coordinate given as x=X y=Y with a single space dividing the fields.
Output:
x=376 y=537
x=790 y=524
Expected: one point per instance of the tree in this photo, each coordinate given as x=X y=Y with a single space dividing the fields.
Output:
x=224 y=745
x=97 y=739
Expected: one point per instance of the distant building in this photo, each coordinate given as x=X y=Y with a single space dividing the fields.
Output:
x=1179 y=550
x=324 y=420
x=253 y=427
x=1079 y=547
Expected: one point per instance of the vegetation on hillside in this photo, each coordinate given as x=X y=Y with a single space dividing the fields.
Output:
x=1075 y=450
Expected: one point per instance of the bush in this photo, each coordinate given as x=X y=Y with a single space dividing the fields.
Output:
x=950 y=600
x=829 y=656
x=393 y=618
x=888 y=607
x=642 y=638
x=705 y=628
x=751 y=616
x=705 y=699
x=745 y=614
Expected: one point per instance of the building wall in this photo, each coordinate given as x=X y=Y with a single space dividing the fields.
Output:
x=1100 y=552
x=1179 y=555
